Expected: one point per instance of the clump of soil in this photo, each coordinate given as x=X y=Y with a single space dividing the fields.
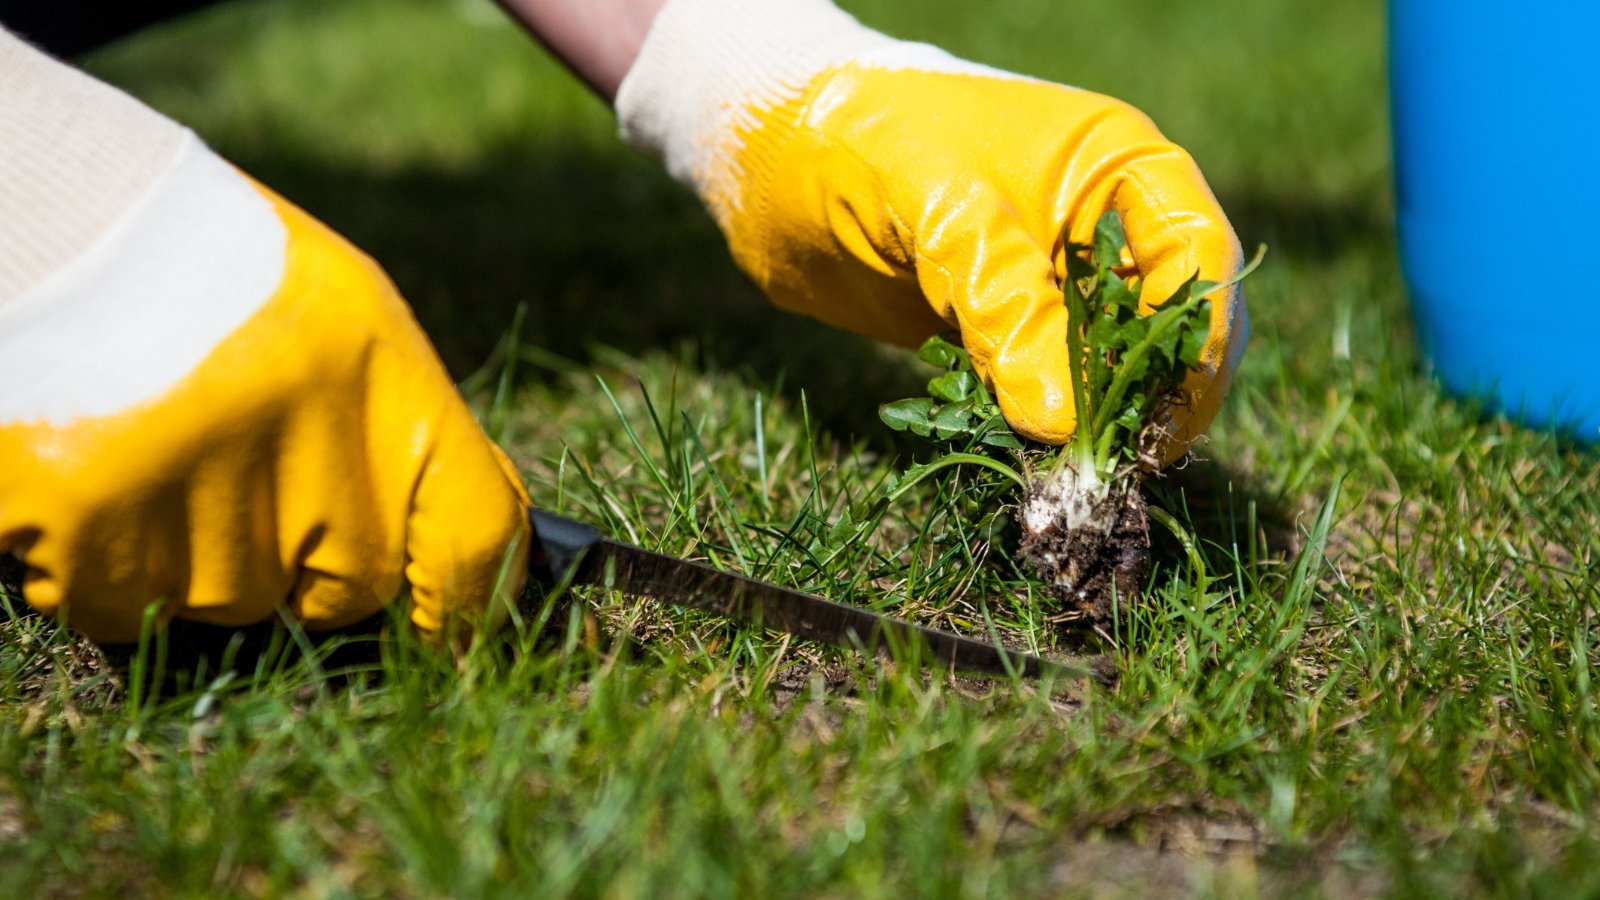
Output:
x=1091 y=548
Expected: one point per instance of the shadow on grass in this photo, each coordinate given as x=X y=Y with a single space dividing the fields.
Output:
x=604 y=250
x=189 y=655
x=11 y=573
x=1223 y=505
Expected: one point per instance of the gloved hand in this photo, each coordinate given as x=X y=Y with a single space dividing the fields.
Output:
x=894 y=190
x=224 y=408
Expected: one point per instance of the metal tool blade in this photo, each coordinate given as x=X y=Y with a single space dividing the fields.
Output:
x=637 y=571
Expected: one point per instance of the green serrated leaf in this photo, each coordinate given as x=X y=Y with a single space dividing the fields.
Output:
x=842 y=530
x=1131 y=421
x=903 y=415
x=1005 y=440
x=1079 y=269
x=982 y=400
x=1122 y=362
x=989 y=418
x=1183 y=294
x=1109 y=240
x=1136 y=369
x=1164 y=348
x=953 y=419
x=1192 y=341
x=953 y=386
x=1108 y=335
x=1118 y=295
x=939 y=352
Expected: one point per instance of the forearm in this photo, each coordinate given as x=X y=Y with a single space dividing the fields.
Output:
x=597 y=39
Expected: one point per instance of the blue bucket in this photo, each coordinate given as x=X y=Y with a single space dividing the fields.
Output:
x=1496 y=111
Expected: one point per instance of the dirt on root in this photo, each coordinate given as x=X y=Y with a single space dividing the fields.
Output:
x=1090 y=569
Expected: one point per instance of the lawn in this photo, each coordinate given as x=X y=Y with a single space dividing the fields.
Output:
x=1364 y=667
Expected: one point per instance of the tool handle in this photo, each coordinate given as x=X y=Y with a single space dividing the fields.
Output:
x=558 y=544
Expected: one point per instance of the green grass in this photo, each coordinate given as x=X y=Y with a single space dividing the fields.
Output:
x=1370 y=671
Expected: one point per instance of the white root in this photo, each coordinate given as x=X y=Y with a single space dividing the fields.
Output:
x=1067 y=500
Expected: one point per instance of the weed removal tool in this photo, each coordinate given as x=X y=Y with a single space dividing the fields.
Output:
x=570 y=552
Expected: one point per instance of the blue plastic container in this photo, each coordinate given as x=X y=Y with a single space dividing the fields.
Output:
x=1496 y=107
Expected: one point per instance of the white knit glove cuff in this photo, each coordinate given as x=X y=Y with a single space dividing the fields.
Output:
x=75 y=156
x=706 y=63
x=128 y=250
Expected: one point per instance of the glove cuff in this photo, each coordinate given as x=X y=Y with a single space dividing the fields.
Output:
x=706 y=63
x=75 y=156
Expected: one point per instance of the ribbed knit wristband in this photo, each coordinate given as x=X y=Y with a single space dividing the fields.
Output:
x=706 y=63
x=76 y=155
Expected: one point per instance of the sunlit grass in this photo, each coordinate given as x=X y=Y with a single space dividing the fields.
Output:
x=1365 y=664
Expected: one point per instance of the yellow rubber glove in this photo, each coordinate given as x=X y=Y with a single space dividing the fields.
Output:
x=224 y=408
x=891 y=189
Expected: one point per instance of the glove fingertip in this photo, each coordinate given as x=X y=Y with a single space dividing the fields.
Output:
x=1028 y=370
x=467 y=540
x=1036 y=418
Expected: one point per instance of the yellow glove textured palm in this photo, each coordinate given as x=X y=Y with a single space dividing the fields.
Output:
x=896 y=191
x=316 y=458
